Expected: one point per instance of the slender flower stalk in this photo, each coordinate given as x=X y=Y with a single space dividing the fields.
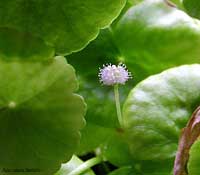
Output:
x=112 y=75
x=117 y=102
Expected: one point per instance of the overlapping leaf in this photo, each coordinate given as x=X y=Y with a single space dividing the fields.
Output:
x=158 y=108
x=150 y=38
x=40 y=115
x=66 y=25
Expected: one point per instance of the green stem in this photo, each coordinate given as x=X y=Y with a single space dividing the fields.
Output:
x=118 y=108
x=86 y=165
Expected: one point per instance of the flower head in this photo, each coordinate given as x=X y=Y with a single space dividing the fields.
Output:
x=112 y=74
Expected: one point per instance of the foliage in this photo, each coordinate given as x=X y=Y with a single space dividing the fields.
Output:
x=65 y=25
x=41 y=114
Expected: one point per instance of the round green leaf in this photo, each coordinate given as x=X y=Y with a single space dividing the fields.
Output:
x=40 y=116
x=15 y=45
x=192 y=7
x=194 y=159
x=158 y=108
x=154 y=35
x=71 y=165
x=66 y=25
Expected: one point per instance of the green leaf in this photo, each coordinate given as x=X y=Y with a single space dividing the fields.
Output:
x=155 y=167
x=40 y=115
x=66 y=25
x=193 y=164
x=100 y=51
x=150 y=38
x=71 y=165
x=158 y=108
x=16 y=84
x=116 y=149
x=192 y=7
x=15 y=45
x=140 y=37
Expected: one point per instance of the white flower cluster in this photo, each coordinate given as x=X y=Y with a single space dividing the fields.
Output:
x=112 y=74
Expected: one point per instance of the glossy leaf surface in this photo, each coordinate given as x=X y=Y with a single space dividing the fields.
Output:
x=158 y=108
